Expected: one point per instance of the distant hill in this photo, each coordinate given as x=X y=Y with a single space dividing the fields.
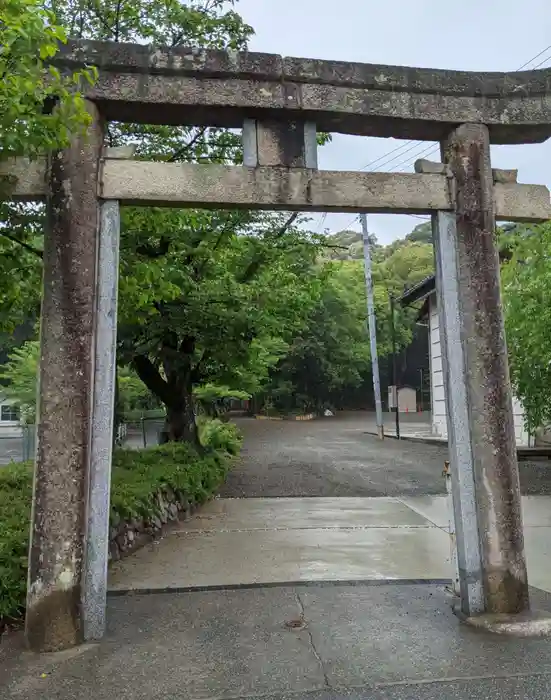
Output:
x=348 y=245
x=422 y=233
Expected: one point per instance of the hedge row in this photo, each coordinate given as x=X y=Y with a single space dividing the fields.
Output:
x=137 y=476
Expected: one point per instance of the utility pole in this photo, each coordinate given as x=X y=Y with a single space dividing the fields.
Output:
x=394 y=368
x=372 y=330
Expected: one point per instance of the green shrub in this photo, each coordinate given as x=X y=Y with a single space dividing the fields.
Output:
x=220 y=436
x=15 y=499
x=137 y=476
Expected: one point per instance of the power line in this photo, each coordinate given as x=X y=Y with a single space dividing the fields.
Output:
x=547 y=58
x=398 y=157
x=534 y=58
x=414 y=143
x=430 y=148
x=435 y=149
x=321 y=222
x=410 y=145
x=350 y=223
x=428 y=151
x=385 y=155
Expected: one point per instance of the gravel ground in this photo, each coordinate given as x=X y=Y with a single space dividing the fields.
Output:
x=330 y=457
x=335 y=457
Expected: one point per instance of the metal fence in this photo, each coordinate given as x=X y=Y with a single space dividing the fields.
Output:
x=137 y=434
x=18 y=448
x=145 y=432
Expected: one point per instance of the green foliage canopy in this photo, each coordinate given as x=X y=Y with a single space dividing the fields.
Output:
x=526 y=284
x=211 y=298
x=30 y=35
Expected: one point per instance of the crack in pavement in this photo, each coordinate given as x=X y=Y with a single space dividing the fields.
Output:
x=311 y=638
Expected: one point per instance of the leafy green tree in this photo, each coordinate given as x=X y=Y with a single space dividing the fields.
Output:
x=214 y=297
x=333 y=350
x=160 y=248
x=422 y=233
x=201 y=311
x=194 y=302
x=347 y=245
x=21 y=241
x=133 y=395
x=331 y=356
x=526 y=284
x=398 y=267
x=29 y=37
x=204 y=23
x=213 y=399
x=19 y=376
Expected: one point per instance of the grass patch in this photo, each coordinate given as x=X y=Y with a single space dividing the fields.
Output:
x=137 y=476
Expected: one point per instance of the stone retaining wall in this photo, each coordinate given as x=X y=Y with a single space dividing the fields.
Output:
x=308 y=416
x=126 y=536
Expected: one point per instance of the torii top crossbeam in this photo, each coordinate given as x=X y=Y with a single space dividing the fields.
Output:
x=200 y=87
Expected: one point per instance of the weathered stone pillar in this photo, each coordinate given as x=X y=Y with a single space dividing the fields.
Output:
x=57 y=551
x=488 y=438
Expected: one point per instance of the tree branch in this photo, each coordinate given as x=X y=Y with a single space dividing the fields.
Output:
x=22 y=244
x=151 y=377
x=225 y=230
x=180 y=152
x=94 y=8
x=196 y=371
x=258 y=260
x=117 y=20
x=150 y=251
x=287 y=225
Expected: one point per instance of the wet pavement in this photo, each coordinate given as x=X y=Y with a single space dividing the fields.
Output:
x=331 y=457
x=336 y=457
x=265 y=541
x=393 y=642
x=244 y=542
x=317 y=593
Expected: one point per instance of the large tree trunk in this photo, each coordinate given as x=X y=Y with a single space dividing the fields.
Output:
x=180 y=414
x=180 y=419
x=176 y=392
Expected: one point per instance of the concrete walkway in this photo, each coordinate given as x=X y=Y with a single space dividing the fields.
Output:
x=315 y=642
x=243 y=542
x=381 y=636
x=413 y=426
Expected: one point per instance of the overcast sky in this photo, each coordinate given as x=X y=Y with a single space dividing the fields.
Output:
x=458 y=34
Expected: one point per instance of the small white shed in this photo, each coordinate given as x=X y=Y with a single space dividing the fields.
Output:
x=407 y=400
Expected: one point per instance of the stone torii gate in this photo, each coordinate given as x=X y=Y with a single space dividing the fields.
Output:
x=281 y=103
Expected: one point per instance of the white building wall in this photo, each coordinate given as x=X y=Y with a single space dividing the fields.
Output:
x=9 y=428
x=521 y=434
x=438 y=400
